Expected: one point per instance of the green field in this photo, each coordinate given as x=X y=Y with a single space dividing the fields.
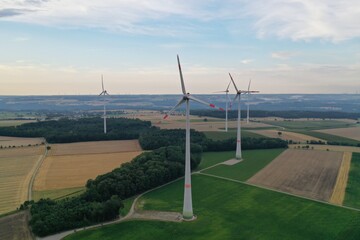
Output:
x=352 y=194
x=127 y=205
x=211 y=158
x=254 y=161
x=58 y=193
x=230 y=210
x=328 y=137
x=8 y=123
x=231 y=134
x=310 y=125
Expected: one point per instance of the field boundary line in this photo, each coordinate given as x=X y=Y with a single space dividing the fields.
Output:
x=338 y=194
x=274 y=190
x=38 y=165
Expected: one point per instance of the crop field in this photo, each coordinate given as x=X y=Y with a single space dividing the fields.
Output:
x=338 y=194
x=95 y=147
x=335 y=148
x=253 y=161
x=306 y=173
x=18 y=142
x=310 y=125
x=328 y=137
x=22 y=152
x=15 y=175
x=221 y=135
x=352 y=133
x=352 y=193
x=231 y=210
x=15 y=227
x=8 y=123
x=70 y=171
x=296 y=137
x=58 y=193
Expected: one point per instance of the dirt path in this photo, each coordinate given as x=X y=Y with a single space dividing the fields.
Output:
x=338 y=195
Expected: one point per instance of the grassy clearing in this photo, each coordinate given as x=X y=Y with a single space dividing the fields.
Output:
x=310 y=125
x=352 y=193
x=58 y=193
x=229 y=210
x=231 y=134
x=127 y=205
x=212 y=158
x=254 y=161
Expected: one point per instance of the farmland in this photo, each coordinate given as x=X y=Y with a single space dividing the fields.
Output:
x=231 y=210
x=335 y=148
x=15 y=226
x=254 y=160
x=352 y=133
x=311 y=174
x=310 y=125
x=16 y=169
x=70 y=171
x=18 y=142
x=221 y=135
x=8 y=123
x=295 y=137
x=352 y=194
x=338 y=194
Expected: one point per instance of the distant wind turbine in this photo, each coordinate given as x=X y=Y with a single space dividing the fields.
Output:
x=187 y=207
x=238 y=96
x=104 y=93
x=227 y=105
x=248 y=103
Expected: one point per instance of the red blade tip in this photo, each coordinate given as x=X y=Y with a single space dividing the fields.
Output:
x=212 y=105
x=221 y=109
x=165 y=117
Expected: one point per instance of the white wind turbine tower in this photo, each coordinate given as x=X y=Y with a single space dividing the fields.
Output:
x=104 y=93
x=187 y=207
x=248 y=103
x=238 y=96
x=227 y=105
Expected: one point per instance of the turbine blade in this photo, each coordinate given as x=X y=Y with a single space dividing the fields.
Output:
x=101 y=93
x=102 y=82
x=249 y=84
x=236 y=96
x=233 y=82
x=174 y=108
x=205 y=103
x=181 y=77
x=227 y=89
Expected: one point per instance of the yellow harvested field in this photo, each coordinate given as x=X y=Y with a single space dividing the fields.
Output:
x=338 y=194
x=352 y=132
x=22 y=151
x=8 y=123
x=297 y=137
x=95 y=147
x=58 y=172
x=17 y=141
x=334 y=148
x=15 y=175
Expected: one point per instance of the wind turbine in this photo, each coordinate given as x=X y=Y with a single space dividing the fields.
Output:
x=187 y=207
x=247 y=103
x=238 y=96
x=227 y=105
x=104 y=93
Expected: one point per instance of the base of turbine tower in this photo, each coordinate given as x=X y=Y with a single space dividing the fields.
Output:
x=189 y=219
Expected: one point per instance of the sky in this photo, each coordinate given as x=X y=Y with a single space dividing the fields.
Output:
x=51 y=47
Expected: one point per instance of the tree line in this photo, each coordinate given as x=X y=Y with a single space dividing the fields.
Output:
x=84 y=129
x=281 y=114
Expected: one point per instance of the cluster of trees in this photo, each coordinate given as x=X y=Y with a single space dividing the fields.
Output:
x=281 y=114
x=101 y=200
x=84 y=129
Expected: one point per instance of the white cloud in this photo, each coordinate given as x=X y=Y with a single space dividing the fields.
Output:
x=282 y=55
x=333 y=20
x=247 y=61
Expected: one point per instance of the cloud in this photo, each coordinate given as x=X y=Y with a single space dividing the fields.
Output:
x=246 y=61
x=282 y=55
x=332 y=20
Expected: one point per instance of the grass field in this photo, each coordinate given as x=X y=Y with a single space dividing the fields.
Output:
x=218 y=135
x=254 y=161
x=352 y=194
x=58 y=193
x=310 y=125
x=212 y=158
x=230 y=210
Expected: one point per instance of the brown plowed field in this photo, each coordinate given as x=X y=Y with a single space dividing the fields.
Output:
x=15 y=175
x=353 y=132
x=95 y=147
x=15 y=227
x=68 y=171
x=297 y=137
x=17 y=141
x=306 y=173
